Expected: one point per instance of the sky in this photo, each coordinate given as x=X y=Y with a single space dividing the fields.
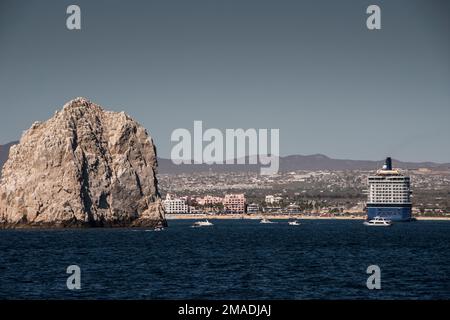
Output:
x=311 y=69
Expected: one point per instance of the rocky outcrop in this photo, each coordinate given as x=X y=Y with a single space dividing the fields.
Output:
x=4 y=151
x=83 y=167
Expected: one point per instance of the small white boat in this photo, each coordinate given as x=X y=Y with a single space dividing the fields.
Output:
x=294 y=223
x=264 y=220
x=205 y=223
x=155 y=229
x=378 y=222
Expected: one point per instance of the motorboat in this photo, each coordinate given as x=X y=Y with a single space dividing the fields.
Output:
x=205 y=223
x=264 y=220
x=378 y=222
x=294 y=223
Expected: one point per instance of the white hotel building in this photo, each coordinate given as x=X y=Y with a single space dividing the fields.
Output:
x=173 y=205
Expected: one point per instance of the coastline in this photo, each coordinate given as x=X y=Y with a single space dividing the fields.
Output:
x=274 y=217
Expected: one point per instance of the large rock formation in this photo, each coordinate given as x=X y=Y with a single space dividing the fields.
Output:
x=83 y=167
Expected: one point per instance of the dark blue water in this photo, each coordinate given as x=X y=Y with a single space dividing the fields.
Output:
x=237 y=259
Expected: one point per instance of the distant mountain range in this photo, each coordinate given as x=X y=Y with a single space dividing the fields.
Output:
x=287 y=163
x=298 y=162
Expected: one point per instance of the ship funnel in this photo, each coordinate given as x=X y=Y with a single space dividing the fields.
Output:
x=388 y=164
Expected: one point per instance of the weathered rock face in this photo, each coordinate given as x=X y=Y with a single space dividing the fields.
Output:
x=83 y=167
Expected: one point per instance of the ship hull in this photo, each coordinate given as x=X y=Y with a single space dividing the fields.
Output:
x=390 y=212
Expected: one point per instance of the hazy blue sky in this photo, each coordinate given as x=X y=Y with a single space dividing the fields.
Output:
x=310 y=68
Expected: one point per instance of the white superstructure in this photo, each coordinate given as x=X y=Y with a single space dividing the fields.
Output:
x=389 y=187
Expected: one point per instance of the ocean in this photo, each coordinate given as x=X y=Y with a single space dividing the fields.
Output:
x=234 y=259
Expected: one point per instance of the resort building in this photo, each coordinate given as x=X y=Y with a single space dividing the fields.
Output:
x=252 y=208
x=209 y=200
x=234 y=203
x=175 y=205
x=271 y=199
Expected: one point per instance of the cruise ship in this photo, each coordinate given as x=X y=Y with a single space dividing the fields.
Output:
x=389 y=194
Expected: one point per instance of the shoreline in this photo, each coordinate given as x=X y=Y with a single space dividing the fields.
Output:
x=275 y=217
